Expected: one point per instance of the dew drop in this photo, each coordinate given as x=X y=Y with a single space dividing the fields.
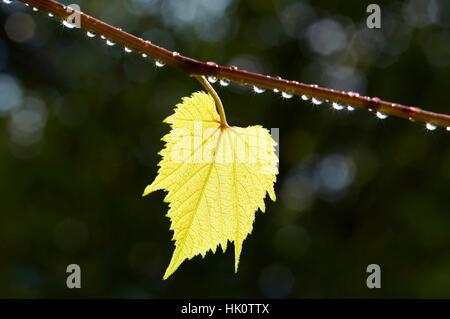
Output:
x=352 y=94
x=224 y=82
x=258 y=89
x=35 y=9
x=127 y=50
x=7 y=1
x=175 y=53
x=448 y=128
x=276 y=90
x=159 y=64
x=110 y=43
x=350 y=108
x=69 y=25
x=305 y=98
x=50 y=15
x=381 y=116
x=144 y=55
x=316 y=101
x=431 y=127
x=90 y=34
x=337 y=106
x=212 y=79
x=103 y=37
x=286 y=95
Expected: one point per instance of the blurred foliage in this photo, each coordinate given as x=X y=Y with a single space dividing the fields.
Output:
x=81 y=124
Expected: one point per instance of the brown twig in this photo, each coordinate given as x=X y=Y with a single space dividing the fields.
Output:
x=196 y=68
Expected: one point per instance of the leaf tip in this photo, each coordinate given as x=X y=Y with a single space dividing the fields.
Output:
x=147 y=191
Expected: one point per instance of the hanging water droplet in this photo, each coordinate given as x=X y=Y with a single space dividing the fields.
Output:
x=448 y=128
x=224 y=82
x=337 y=106
x=258 y=89
x=305 y=98
x=103 y=37
x=7 y=1
x=175 y=53
x=159 y=64
x=144 y=55
x=69 y=25
x=381 y=116
x=50 y=15
x=212 y=79
x=431 y=127
x=316 y=101
x=110 y=43
x=276 y=90
x=35 y=9
x=350 y=108
x=90 y=34
x=286 y=95
x=127 y=50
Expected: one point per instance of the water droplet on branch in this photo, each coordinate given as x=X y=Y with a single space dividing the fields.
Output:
x=337 y=106
x=305 y=98
x=127 y=50
x=224 y=82
x=286 y=95
x=212 y=79
x=352 y=94
x=110 y=43
x=159 y=64
x=90 y=34
x=381 y=116
x=316 y=101
x=69 y=25
x=258 y=89
x=431 y=127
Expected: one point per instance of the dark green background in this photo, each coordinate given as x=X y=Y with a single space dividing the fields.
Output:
x=70 y=191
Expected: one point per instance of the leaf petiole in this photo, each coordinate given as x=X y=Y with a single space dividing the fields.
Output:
x=208 y=87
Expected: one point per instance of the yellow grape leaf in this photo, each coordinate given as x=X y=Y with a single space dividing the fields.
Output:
x=216 y=178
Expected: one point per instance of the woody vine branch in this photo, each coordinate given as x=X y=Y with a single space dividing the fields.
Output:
x=198 y=69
